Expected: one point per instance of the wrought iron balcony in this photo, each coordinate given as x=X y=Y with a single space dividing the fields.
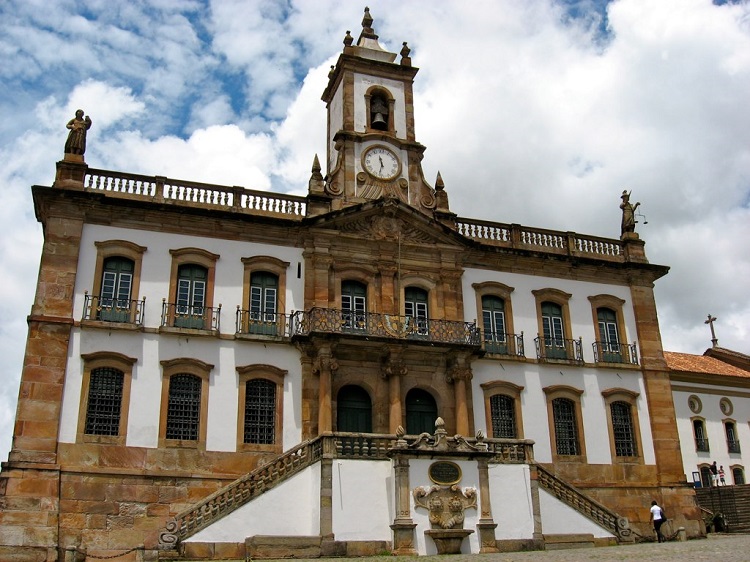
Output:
x=104 y=309
x=262 y=323
x=370 y=324
x=701 y=444
x=559 y=349
x=733 y=446
x=605 y=352
x=504 y=344
x=190 y=316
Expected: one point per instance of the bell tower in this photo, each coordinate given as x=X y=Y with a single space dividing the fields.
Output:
x=372 y=150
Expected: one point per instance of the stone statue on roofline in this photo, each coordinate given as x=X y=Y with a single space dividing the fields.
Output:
x=79 y=126
x=628 y=213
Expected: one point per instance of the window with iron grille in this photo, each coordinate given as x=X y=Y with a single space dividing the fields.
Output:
x=184 y=407
x=260 y=412
x=566 y=428
x=733 y=445
x=701 y=441
x=622 y=427
x=104 y=401
x=503 y=414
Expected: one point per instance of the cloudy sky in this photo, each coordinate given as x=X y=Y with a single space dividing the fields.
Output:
x=538 y=112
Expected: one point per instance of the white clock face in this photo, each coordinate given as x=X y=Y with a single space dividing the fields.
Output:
x=381 y=163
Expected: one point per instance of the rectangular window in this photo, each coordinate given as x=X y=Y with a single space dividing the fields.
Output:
x=183 y=407
x=622 y=426
x=260 y=412
x=104 y=402
x=566 y=429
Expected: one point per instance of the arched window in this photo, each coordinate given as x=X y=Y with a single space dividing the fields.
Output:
x=503 y=415
x=263 y=303
x=184 y=407
x=104 y=401
x=706 y=476
x=738 y=475
x=493 y=319
x=416 y=310
x=353 y=410
x=421 y=412
x=260 y=412
x=733 y=444
x=699 y=432
x=117 y=283
x=190 y=300
x=354 y=305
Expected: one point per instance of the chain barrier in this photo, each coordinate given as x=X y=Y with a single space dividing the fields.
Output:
x=108 y=556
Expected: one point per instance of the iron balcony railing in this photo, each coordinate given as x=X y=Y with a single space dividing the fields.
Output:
x=370 y=324
x=504 y=344
x=105 y=309
x=701 y=444
x=733 y=446
x=190 y=316
x=262 y=323
x=559 y=349
x=605 y=352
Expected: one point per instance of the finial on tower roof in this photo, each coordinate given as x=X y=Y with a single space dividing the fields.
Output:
x=348 y=39
x=405 y=58
x=439 y=185
x=367 y=21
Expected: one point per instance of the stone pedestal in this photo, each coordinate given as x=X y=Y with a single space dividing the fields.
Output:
x=448 y=541
x=403 y=538
x=487 y=540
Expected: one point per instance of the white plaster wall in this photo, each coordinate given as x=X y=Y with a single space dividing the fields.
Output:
x=559 y=519
x=362 y=503
x=289 y=509
x=524 y=305
x=710 y=395
x=361 y=84
x=145 y=397
x=510 y=497
x=157 y=264
x=418 y=476
x=335 y=124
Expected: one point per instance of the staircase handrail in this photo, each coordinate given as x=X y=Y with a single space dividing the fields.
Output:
x=230 y=497
x=586 y=506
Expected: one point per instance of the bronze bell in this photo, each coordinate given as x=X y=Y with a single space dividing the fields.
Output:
x=379 y=122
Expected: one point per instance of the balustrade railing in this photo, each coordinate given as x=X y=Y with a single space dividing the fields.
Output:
x=162 y=189
x=701 y=445
x=596 y=512
x=522 y=237
x=504 y=344
x=606 y=352
x=251 y=322
x=369 y=324
x=511 y=450
x=105 y=309
x=733 y=446
x=190 y=316
x=559 y=349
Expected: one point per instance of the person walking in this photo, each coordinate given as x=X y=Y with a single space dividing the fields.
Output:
x=658 y=518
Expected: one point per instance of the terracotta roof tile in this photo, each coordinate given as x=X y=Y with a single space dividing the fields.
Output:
x=688 y=363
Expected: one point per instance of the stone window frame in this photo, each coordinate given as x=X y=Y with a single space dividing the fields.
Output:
x=615 y=304
x=560 y=298
x=180 y=366
x=496 y=289
x=573 y=394
x=505 y=388
x=275 y=375
x=739 y=467
x=630 y=397
x=726 y=407
x=98 y=360
x=724 y=423
x=192 y=256
x=693 y=419
x=390 y=100
x=270 y=264
x=106 y=249
x=361 y=273
x=695 y=399
x=424 y=283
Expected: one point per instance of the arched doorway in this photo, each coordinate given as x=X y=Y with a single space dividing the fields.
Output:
x=421 y=412
x=353 y=410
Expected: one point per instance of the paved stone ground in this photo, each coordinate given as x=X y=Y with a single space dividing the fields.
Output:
x=716 y=548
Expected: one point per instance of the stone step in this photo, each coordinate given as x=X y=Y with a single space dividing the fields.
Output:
x=562 y=542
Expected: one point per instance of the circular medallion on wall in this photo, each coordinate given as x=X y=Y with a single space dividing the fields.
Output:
x=726 y=406
x=445 y=473
x=695 y=404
